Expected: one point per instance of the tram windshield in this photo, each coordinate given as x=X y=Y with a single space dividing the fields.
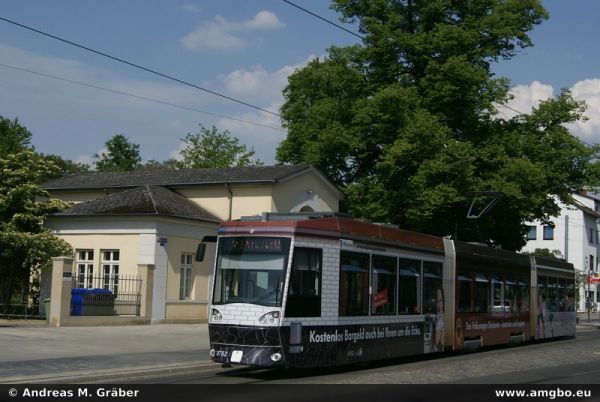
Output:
x=251 y=270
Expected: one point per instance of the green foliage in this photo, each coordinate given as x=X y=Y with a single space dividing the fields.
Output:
x=13 y=136
x=545 y=252
x=121 y=155
x=407 y=124
x=213 y=149
x=24 y=243
x=66 y=166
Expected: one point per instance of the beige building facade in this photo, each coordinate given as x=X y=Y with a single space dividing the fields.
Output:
x=121 y=223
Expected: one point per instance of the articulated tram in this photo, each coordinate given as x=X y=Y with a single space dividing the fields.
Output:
x=315 y=291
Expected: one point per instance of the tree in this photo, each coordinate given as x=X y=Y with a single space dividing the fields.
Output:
x=213 y=149
x=121 y=155
x=13 y=136
x=545 y=252
x=24 y=243
x=407 y=122
x=66 y=166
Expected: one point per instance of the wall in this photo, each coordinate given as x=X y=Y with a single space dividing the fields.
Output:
x=127 y=244
x=184 y=237
x=247 y=199
x=291 y=194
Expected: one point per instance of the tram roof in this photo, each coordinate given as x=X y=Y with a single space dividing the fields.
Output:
x=337 y=227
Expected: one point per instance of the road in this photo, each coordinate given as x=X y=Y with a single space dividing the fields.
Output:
x=566 y=361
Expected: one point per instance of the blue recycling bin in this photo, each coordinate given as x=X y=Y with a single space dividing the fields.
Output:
x=86 y=301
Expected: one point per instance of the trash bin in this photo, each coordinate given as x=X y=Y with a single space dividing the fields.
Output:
x=47 y=309
x=77 y=300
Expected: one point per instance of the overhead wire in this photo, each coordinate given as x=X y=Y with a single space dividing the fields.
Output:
x=158 y=101
x=323 y=19
x=131 y=64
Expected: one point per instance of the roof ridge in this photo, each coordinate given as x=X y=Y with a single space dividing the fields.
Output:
x=152 y=199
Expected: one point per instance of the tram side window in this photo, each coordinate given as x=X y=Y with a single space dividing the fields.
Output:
x=433 y=293
x=408 y=289
x=510 y=294
x=497 y=290
x=482 y=293
x=465 y=291
x=522 y=295
x=542 y=294
x=304 y=294
x=552 y=302
x=570 y=295
x=383 y=284
x=562 y=294
x=354 y=284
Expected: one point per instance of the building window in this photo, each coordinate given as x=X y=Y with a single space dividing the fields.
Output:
x=531 y=233
x=548 y=232
x=591 y=262
x=591 y=237
x=185 y=276
x=85 y=268
x=304 y=294
x=110 y=270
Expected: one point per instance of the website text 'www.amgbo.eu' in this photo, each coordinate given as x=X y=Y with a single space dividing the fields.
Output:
x=557 y=393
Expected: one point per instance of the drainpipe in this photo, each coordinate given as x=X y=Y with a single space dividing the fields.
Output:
x=230 y=197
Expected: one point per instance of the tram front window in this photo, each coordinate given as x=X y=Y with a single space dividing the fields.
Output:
x=251 y=270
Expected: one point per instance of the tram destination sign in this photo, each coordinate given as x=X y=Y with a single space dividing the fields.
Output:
x=255 y=244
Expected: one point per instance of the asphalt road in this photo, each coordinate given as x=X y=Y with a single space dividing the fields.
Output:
x=566 y=361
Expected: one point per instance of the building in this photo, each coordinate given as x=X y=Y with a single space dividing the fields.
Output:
x=122 y=224
x=574 y=238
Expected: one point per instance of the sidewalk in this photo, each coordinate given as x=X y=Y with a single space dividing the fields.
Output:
x=35 y=353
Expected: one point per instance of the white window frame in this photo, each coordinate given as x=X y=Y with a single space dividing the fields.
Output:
x=85 y=267
x=110 y=269
x=185 y=276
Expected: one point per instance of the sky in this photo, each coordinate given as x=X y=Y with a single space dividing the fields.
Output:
x=244 y=49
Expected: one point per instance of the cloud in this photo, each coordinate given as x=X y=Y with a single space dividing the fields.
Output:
x=222 y=34
x=264 y=20
x=588 y=91
x=258 y=83
x=525 y=97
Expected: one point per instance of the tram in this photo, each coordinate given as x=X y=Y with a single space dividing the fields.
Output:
x=317 y=290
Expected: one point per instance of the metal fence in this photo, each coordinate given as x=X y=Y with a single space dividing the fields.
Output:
x=107 y=295
x=23 y=306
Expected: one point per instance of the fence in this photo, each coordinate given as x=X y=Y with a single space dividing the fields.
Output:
x=122 y=290
x=23 y=306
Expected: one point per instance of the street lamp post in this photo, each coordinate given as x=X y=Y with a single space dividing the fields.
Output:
x=588 y=301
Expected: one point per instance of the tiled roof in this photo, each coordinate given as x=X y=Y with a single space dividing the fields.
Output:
x=184 y=177
x=145 y=200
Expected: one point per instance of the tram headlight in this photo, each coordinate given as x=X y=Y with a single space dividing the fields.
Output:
x=272 y=318
x=215 y=315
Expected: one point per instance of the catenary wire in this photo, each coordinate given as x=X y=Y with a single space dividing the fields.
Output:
x=137 y=66
x=323 y=19
x=137 y=96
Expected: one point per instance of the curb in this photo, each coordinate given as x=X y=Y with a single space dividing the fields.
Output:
x=124 y=373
